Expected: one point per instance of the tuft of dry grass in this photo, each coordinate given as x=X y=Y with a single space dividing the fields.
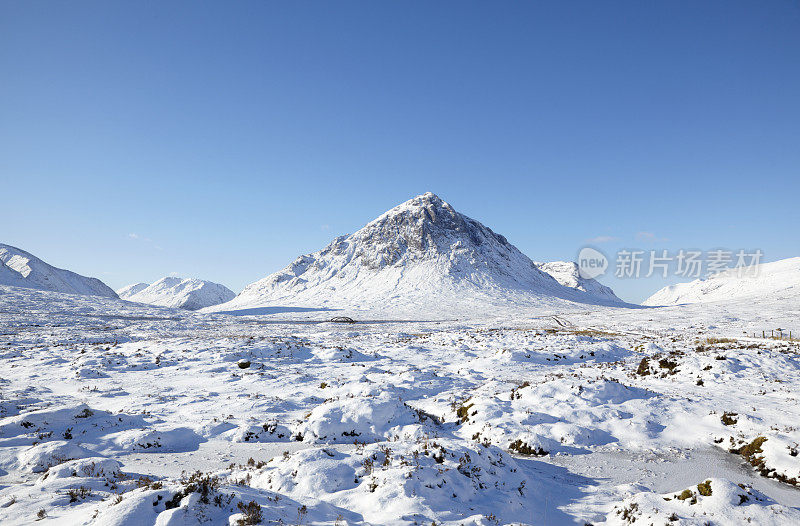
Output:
x=593 y=333
x=463 y=412
x=518 y=446
x=704 y=488
x=713 y=341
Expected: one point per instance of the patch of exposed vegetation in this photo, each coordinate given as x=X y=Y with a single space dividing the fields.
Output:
x=80 y=493
x=644 y=367
x=714 y=341
x=515 y=390
x=518 y=446
x=86 y=413
x=198 y=482
x=753 y=453
x=252 y=513
x=629 y=513
x=669 y=365
x=594 y=333
x=463 y=413
x=704 y=488
x=687 y=494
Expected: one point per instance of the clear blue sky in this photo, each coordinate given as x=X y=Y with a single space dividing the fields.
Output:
x=230 y=137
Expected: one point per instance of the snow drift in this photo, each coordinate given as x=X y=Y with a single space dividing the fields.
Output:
x=189 y=294
x=776 y=281
x=420 y=255
x=22 y=269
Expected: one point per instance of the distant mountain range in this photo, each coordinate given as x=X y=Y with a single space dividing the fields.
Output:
x=776 y=281
x=189 y=294
x=420 y=257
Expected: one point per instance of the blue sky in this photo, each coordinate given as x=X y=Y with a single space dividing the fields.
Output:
x=221 y=140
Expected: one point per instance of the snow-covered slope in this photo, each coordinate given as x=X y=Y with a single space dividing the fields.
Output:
x=566 y=273
x=128 y=291
x=778 y=281
x=419 y=256
x=189 y=294
x=22 y=269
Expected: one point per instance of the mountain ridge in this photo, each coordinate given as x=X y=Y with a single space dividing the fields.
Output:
x=19 y=268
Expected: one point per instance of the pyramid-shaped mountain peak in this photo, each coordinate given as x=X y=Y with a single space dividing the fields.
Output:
x=425 y=227
x=426 y=207
x=419 y=253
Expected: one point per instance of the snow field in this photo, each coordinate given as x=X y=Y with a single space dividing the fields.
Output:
x=508 y=420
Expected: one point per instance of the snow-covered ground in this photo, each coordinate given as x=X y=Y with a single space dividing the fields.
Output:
x=113 y=412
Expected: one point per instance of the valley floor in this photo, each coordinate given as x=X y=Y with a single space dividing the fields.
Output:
x=117 y=413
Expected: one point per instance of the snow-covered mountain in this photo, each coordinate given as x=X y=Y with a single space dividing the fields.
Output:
x=129 y=290
x=421 y=256
x=22 y=269
x=778 y=281
x=567 y=274
x=189 y=294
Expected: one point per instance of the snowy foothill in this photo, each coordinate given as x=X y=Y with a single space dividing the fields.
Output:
x=775 y=280
x=22 y=269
